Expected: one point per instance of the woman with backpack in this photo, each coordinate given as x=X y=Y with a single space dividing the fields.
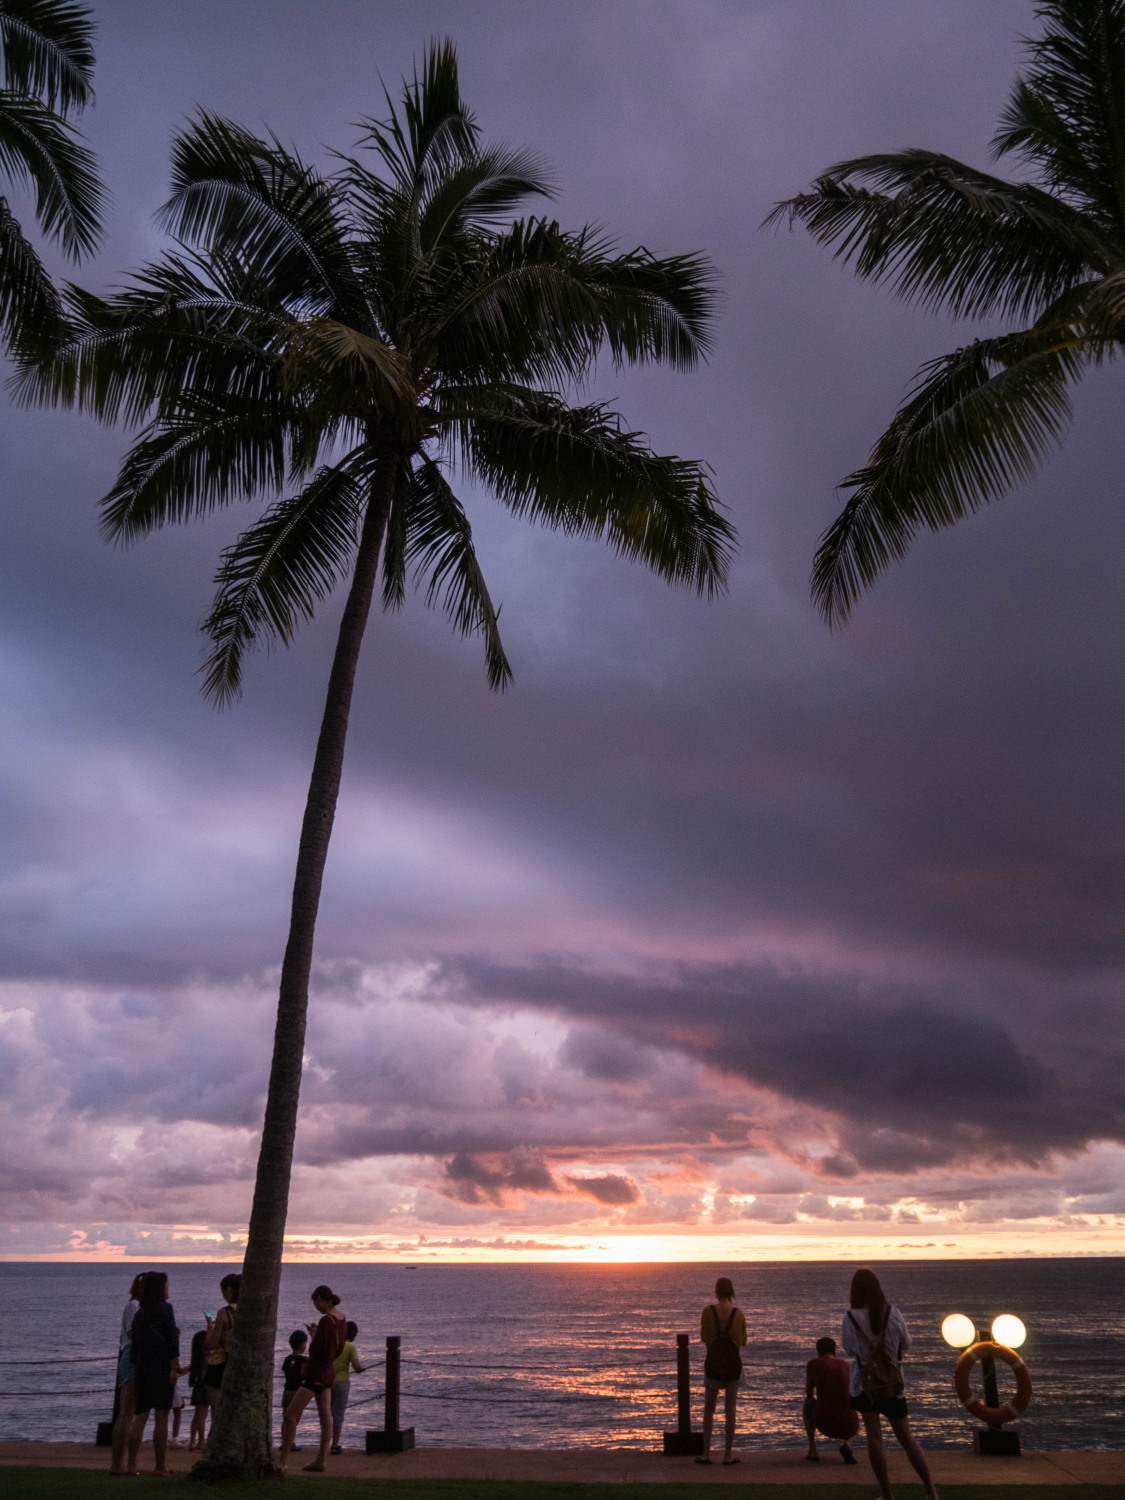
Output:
x=723 y=1329
x=875 y=1335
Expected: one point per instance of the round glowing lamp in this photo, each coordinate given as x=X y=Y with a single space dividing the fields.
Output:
x=1007 y=1329
x=959 y=1331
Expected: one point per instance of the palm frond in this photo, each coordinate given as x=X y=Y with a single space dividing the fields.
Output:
x=37 y=147
x=946 y=235
x=323 y=349
x=432 y=532
x=577 y=470
x=48 y=52
x=237 y=194
x=977 y=422
x=31 y=320
x=430 y=131
x=274 y=575
x=544 y=302
x=478 y=192
x=202 y=455
x=171 y=331
x=1066 y=114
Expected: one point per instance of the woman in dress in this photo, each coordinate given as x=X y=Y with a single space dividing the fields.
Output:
x=870 y=1324
x=329 y=1336
x=156 y=1360
x=123 y=1421
x=220 y=1336
x=723 y=1329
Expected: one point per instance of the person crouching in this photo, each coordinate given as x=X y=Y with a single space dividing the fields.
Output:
x=828 y=1407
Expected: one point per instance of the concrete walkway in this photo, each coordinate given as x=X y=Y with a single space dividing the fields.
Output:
x=632 y=1466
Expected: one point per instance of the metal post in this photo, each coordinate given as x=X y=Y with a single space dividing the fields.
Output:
x=683 y=1442
x=392 y=1439
x=104 y=1438
x=390 y=1389
x=992 y=1440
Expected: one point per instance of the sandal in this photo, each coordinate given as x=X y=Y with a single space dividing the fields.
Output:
x=728 y=1461
x=703 y=1460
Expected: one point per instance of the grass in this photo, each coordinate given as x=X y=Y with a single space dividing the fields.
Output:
x=88 y=1484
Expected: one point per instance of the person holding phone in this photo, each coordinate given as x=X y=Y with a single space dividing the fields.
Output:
x=220 y=1336
x=329 y=1336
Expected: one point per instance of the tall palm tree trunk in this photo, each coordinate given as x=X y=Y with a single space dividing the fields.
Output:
x=240 y=1442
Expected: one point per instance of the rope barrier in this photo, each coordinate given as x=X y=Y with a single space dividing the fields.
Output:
x=538 y=1400
x=102 y=1390
x=85 y=1359
x=451 y=1364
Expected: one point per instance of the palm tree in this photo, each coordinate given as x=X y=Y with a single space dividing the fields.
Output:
x=47 y=68
x=341 y=340
x=1047 y=253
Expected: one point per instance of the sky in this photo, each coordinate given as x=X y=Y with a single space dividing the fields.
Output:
x=718 y=936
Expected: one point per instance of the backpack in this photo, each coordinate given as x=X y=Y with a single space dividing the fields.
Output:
x=880 y=1374
x=723 y=1362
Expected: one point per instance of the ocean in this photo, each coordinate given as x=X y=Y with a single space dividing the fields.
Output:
x=503 y=1356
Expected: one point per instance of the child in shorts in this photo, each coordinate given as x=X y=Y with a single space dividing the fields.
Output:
x=293 y=1368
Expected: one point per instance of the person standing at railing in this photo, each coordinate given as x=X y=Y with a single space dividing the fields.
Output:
x=328 y=1339
x=125 y=1376
x=156 y=1359
x=723 y=1329
x=346 y=1361
x=875 y=1335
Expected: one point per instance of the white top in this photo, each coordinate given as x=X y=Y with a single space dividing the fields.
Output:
x=131 y=1310
x=897 y=1340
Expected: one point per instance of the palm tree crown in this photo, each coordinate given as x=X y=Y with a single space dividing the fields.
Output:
x=332 y=344
x=1048 y=252
x=326 y=328
x=46 y=69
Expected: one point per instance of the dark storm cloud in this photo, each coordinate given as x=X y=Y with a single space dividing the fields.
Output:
x=880 y=874
x=470 y=1180
x=918 y=1080
x=611 y=1190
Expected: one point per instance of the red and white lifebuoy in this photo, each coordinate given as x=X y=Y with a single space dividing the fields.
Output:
x=995 y=1416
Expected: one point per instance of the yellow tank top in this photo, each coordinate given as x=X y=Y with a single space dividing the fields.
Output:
x=218 y=1355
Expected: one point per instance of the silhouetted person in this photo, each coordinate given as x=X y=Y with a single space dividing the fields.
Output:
x=126 y=1410
x=874 y=1334
x=220 y=1336
x=828 y=1407
x=328 y=1339
x=723 y=1329
x=156 y=1359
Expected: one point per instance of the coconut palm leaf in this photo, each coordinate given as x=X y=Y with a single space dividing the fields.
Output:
x=240 y=194
x=172 y=331
x=430 y=131
x=38 y=148
x=947 y=235
x=194 y=459
x=1053 y=249
x=977 y=422
x=277 y=571
x=48 y=52
x=31 y=314
x=438 y=540
x=1066 y=115
x=578 y=470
